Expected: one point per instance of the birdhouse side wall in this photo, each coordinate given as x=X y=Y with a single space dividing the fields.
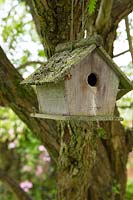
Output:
x=51 y=98
x=96 y=98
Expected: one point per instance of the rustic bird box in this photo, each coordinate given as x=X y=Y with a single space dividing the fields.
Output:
x=83 y=83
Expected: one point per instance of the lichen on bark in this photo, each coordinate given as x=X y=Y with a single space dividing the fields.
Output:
x=77 y=157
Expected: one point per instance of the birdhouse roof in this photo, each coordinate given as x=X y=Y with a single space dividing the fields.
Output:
x=66 y=56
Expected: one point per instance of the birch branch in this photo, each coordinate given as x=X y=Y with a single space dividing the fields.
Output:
x=129 y=37
x=103 y=14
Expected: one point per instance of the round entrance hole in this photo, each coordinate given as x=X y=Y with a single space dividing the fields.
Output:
x=92 y=79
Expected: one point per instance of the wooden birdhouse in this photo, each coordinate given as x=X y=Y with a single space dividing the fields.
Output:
x=83 y=83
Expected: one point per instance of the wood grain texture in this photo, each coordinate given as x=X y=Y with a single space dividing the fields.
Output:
x=86 y=100
x=51 y=98
x=77 y=118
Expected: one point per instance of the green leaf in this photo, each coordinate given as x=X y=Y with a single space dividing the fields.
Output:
x=92 y=6
x=41 y=53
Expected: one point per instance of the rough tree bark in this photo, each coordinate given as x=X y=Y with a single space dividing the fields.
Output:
x=91 y=157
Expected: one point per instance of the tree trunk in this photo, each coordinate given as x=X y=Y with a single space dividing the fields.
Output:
x=76 y=160
x=92 y=162
x=92 y=156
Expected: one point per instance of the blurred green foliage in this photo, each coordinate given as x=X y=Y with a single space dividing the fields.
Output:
x=36 y=172
x=129 y=190
x=1 y=1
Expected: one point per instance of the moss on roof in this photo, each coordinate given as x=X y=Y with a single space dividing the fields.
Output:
x=58 y=66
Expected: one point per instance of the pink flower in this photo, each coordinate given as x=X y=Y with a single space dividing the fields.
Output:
x=39 y=170
x=11 y=131
x=26 y=185
x=42 y=148
x=45 y=157
x=11 y=145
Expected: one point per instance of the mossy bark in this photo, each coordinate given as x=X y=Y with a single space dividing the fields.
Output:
x=76 y=161
x=91 y=163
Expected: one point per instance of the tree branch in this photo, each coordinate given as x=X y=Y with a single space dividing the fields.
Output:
x=22 y=100
x=44 y=2
x=30 y=63
x=103 y=14
x=120 y=10
x=119 y=54
x=129 y=37
x=14 y=186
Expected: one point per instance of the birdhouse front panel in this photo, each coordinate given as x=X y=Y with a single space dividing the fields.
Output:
x=91 y=87
x=51 y=98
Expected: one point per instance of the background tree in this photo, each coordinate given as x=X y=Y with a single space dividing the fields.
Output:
x=82 y=174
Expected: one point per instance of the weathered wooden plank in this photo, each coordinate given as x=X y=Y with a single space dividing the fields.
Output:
x=51 y=98
x=76 y=89
x=124 y=81
x=107 y=87
x=83 y=99
x=80 y=118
